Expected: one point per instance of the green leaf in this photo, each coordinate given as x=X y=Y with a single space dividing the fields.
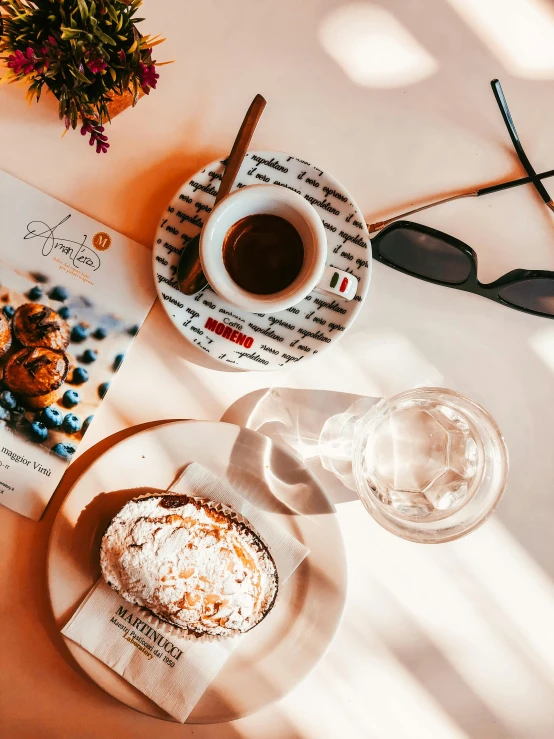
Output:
x=83 y=10
x=79 y=75
x=70 y=33
x=73 y=114
x=105 y=38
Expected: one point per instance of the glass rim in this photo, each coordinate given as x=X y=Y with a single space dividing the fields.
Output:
x=424 y=531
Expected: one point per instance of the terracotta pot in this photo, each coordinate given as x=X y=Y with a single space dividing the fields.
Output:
x=119 y=103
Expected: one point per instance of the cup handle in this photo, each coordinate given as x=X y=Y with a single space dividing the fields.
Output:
x=339 y=283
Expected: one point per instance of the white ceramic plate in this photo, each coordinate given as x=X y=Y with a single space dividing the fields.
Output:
x=285 y=647
x=272 y=340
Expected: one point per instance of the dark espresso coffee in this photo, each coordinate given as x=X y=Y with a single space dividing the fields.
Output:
x=263 y=253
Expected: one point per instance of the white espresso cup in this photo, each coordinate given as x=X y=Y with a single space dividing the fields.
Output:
x=277 y=201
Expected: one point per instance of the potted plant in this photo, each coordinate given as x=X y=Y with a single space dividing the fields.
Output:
x=88 y=54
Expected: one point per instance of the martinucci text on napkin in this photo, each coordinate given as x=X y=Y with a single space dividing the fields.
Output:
x=136 y=631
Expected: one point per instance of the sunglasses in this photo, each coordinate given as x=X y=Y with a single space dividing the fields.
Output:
x=435 y=256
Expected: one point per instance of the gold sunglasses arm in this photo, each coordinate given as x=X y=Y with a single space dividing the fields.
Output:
x=372 y=227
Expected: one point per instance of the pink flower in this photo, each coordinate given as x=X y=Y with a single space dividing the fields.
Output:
x=23 y=63
x=97 y=136
x=96 y=66
x=49 y=51
x=148 y=77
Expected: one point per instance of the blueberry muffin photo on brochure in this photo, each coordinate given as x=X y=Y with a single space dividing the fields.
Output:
x=59 y=355
x=70 y=306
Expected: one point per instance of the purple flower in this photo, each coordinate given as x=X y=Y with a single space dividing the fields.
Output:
x=148 y=77
x=97 y=136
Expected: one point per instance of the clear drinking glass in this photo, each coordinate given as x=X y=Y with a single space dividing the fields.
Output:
x=430 y=465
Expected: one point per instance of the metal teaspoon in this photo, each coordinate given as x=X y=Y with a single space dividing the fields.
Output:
x=190 y=277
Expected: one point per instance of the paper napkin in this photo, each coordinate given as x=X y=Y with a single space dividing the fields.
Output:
x=172 y=669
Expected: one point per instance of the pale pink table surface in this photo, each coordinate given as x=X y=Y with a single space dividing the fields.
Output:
x=449 y=641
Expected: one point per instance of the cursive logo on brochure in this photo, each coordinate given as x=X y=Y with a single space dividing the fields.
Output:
x=82 y=256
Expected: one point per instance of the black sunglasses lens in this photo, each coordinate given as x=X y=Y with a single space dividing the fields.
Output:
x=536 y=295
x=424 y=255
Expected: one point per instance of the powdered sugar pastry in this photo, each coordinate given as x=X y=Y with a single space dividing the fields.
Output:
x=191 y=562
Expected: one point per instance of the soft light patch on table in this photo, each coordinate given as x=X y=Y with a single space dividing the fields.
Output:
x=542 y=343
x=373 y=48
x=394 y=363
x=519 y=33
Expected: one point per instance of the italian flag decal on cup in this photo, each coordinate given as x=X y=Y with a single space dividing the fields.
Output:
x=340 y=283
x=343 y=282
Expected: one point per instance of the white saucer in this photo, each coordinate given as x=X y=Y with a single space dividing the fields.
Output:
x=273 y=340
x=286 y=646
